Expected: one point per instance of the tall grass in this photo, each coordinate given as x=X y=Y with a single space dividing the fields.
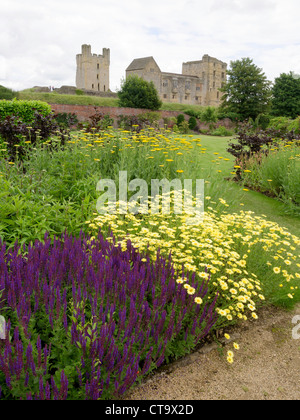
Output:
x=277 y=173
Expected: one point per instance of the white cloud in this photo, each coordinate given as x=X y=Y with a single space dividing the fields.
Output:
x=39 y=40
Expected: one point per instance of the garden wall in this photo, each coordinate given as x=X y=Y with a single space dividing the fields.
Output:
x=83 y=113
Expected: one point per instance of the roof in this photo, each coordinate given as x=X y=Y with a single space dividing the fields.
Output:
x=186 y=76
x=140 y=63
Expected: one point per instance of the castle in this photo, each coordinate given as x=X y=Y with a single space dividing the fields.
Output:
x=199 y=82
x=92 y=71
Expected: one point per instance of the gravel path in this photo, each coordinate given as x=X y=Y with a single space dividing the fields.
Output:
x=267 y=366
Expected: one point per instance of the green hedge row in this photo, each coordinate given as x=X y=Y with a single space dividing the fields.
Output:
x=23 y=109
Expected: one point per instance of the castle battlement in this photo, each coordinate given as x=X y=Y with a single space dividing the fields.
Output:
x=92 y=71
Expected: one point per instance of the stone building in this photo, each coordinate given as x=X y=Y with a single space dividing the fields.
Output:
x=92 y=71
x=199 y=82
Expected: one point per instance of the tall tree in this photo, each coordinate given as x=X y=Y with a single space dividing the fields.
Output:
x=138 y=93
x=286 y=96
x=247 y=91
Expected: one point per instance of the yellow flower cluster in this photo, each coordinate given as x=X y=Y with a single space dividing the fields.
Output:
x=211 y=249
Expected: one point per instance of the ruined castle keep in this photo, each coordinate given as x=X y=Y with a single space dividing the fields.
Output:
x=199 y=82
x=92 y=71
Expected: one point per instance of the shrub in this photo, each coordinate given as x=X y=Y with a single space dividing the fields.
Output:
x=280 y=123
x=25 y=110
x=209 y=115
x=233 y=116
x=180 y=119
x=66 y=119
x=184 y=127
x=221 y=131
x=262 y=121
x=295 y=126
x=138 y=122
x=192 y=113
x=86 y=320
x=138 y=93
x=19 y=136
x=192 y=123
x=98 y=122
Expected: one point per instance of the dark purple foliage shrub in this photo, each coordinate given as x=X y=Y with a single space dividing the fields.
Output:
x=15 y=132
x=86 y=320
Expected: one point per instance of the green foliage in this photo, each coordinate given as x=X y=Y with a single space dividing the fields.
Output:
x=23 y=109
x=66 y=119
x=209 y=115
x=184 y=127
x=6 y=93
x=193 y=113
x=180 y=119
x=295 y=125
x=57 y=98
x=97 y=123
x=138 y=93
x=222 y=131
x=262 y=121
x=223 y=113
x=138 y=122
x=192 y=123
x=280 y=123
x=277 y=173
x=286 y=96
x=247 y=91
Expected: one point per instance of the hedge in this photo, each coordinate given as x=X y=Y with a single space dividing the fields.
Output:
x=23 y=109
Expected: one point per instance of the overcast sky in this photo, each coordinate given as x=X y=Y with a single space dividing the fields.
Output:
x=39 y=39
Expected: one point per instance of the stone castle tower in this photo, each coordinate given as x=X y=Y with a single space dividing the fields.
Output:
x=92 y=71
x=199 y=82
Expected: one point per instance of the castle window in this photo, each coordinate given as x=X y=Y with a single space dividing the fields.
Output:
x=98 y=66
x=165 y=83
x=165 y=96
x=93 y=86
x=98 y=86
x=223 y=75
x=98 y=76
x=218 y=94
x=152 y=70
x=104 y=88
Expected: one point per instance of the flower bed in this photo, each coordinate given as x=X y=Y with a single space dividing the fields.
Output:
x=86 y=320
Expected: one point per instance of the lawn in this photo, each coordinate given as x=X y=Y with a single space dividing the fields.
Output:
x=95 y=301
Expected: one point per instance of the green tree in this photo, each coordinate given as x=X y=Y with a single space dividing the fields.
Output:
x=286 y=96
x=138 y=93
x=247 y=91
